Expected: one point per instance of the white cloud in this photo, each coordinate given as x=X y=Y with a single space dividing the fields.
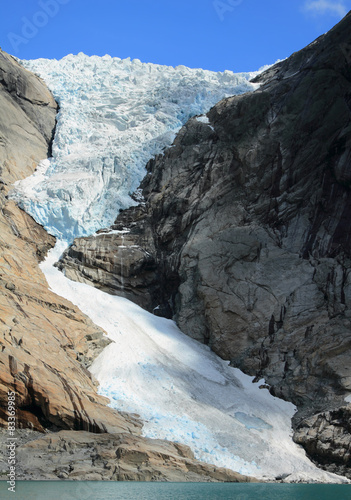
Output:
x=336 y=8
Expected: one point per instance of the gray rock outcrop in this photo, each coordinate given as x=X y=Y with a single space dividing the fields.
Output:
x=327 y=437
x=27 y=122
x=80 y=455
x=245 y=235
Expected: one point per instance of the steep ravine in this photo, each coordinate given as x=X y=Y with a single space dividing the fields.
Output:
x=47 y=343
x=244 y=237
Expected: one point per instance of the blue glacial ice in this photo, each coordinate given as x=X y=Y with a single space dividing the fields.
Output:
x=114 y=116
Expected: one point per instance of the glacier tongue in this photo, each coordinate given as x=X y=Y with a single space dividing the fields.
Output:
x=114 y=116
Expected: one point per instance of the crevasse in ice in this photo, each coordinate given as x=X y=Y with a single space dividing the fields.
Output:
x=114 y=116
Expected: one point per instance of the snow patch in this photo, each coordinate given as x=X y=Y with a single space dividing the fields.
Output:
x=204 y=119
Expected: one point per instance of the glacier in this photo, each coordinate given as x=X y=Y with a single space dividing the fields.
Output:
x=114 y=116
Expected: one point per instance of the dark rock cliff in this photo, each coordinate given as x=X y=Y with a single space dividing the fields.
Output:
x=245 y=233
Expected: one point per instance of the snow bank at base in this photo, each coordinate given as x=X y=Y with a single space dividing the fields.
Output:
x=114 y=116
x=183 y=391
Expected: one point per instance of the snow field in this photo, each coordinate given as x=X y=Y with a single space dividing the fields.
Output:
x=183 y=391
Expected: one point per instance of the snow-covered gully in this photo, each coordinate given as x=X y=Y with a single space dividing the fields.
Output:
x=183 y=391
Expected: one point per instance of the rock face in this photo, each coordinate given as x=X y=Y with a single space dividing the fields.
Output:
x=118 y=457
x=245 y=236
x=119 y=260
x=327 y=437
x=27 y=122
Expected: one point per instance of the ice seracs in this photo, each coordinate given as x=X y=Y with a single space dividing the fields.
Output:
x=114 y=116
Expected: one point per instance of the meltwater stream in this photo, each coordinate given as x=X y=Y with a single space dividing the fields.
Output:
x=114 y=116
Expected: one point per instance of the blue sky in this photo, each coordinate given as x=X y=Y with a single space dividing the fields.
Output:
x=240 y=35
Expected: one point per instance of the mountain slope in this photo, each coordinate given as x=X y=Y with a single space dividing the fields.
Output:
x=244 y=235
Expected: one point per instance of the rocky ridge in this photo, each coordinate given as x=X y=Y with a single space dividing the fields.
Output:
x=244 y=234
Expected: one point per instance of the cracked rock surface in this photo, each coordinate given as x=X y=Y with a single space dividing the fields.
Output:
x=81 y=455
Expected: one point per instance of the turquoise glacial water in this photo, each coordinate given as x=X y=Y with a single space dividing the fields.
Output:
x=99 y=490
